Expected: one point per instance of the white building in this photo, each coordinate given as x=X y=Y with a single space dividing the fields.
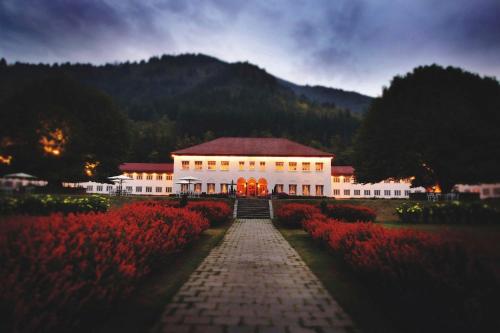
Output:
x=485 y=191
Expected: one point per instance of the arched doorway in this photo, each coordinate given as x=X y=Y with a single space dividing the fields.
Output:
x=251 y=187
x=241 y=186
x=262 y=187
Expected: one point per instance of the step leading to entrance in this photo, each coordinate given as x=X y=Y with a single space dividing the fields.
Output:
x=253 y=209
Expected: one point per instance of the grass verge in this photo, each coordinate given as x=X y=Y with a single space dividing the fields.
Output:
x=141 y=311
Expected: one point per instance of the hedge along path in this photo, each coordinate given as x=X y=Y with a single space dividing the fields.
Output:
x=253 y=282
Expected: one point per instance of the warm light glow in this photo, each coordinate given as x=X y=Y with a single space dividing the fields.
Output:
x=53 y=143
x=5 y=159
x=90 y=167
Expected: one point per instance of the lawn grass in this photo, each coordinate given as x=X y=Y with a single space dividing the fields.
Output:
x=142 y=310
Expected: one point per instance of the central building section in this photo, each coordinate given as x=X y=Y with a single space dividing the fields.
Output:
x=253 y=167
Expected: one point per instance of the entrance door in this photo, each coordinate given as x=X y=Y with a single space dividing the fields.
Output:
x=262 y=187
x=252 y=187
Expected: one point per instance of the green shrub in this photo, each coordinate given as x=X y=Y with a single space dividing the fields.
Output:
x=47 y=204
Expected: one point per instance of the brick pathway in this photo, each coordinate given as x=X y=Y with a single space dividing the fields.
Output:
x=254 y=282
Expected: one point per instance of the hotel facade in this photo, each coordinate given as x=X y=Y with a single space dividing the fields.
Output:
x=251 y=167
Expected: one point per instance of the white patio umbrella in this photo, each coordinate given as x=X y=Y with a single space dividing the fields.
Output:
x=190 y=180
x=120 y=179
x=19 y=175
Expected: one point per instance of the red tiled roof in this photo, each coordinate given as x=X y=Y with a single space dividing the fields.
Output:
x=342 y=170
x=252 y=147
x=147 y=167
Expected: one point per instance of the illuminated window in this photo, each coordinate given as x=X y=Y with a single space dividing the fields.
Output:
x=169 y=177
x=280 y=166
x=197 y=188
x=397 y=193
x=149 y=177
x=224 y=165
x=336 y=179
x=223 y=188
x=251 y=165
x=366 y=192
x=168 y=189
x=241 y=165
x=262 y=166
x=306 y=189
x=138 y=189
x=376 y=192
x=158 y=189
x=198 y=165
x=185 y=165
x=319 y=166
x=306 y=166
x=139 y=177
x=347 y=192
x=336 y=192
x=149 y=189
x=387 y=192
x=210 y=188
x=292 y=189
x=279 y=188
x=357 y=192
x=159 y=177
x=211 y=165
x=347 y=179
x=319 y=190
x=292 y=166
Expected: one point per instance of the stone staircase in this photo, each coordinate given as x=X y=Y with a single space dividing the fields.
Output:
x=253 y=209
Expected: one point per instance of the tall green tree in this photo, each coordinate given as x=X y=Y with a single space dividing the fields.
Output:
x=440 y=125
x=59 y=129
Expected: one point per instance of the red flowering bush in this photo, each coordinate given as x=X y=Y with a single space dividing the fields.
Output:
x=55 y=269
x=217 y=212
x=429 y=273
x=350 y=213
x=293 y=214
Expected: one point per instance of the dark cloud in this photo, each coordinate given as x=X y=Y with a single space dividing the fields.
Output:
x=354 y=44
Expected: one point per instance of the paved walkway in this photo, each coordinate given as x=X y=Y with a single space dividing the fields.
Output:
x=254 y=282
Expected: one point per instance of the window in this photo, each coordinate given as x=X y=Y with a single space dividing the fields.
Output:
x=486 y=191
x=198 y=165
x=184 y=188
x=336 y=192
x=149 y=177
x=129 y=189
x=185 y=165
x=158 y=189
x=387 y=192
x=224 y=165
x=353 y=180
x=319 y=166
x=336 y=179
x=262 y=166
x=139 y=177
x=319 y=190
x=280 y=166
x=366 y=192
x=149 y=189
x=211 y=165
x=306 y=166
x=347 y=192
x=197 y=188
x=306 y=189
x=169 y=177
x=109 y=188
x=397 y=193
x=168 y=189
x=251 y=165
x=347 y=179
x=407 y=193
x=279 y=188
x=376 y=192
x=99 y=188
x=90 y=188
x=241 y=165
x=223 y=188
x=159 y=177
x=210 y=188
x=292 y=189
x=138 y=189
x=357 y=192
x=292 y=166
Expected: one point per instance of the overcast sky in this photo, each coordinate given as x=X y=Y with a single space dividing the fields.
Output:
x=351 y=44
